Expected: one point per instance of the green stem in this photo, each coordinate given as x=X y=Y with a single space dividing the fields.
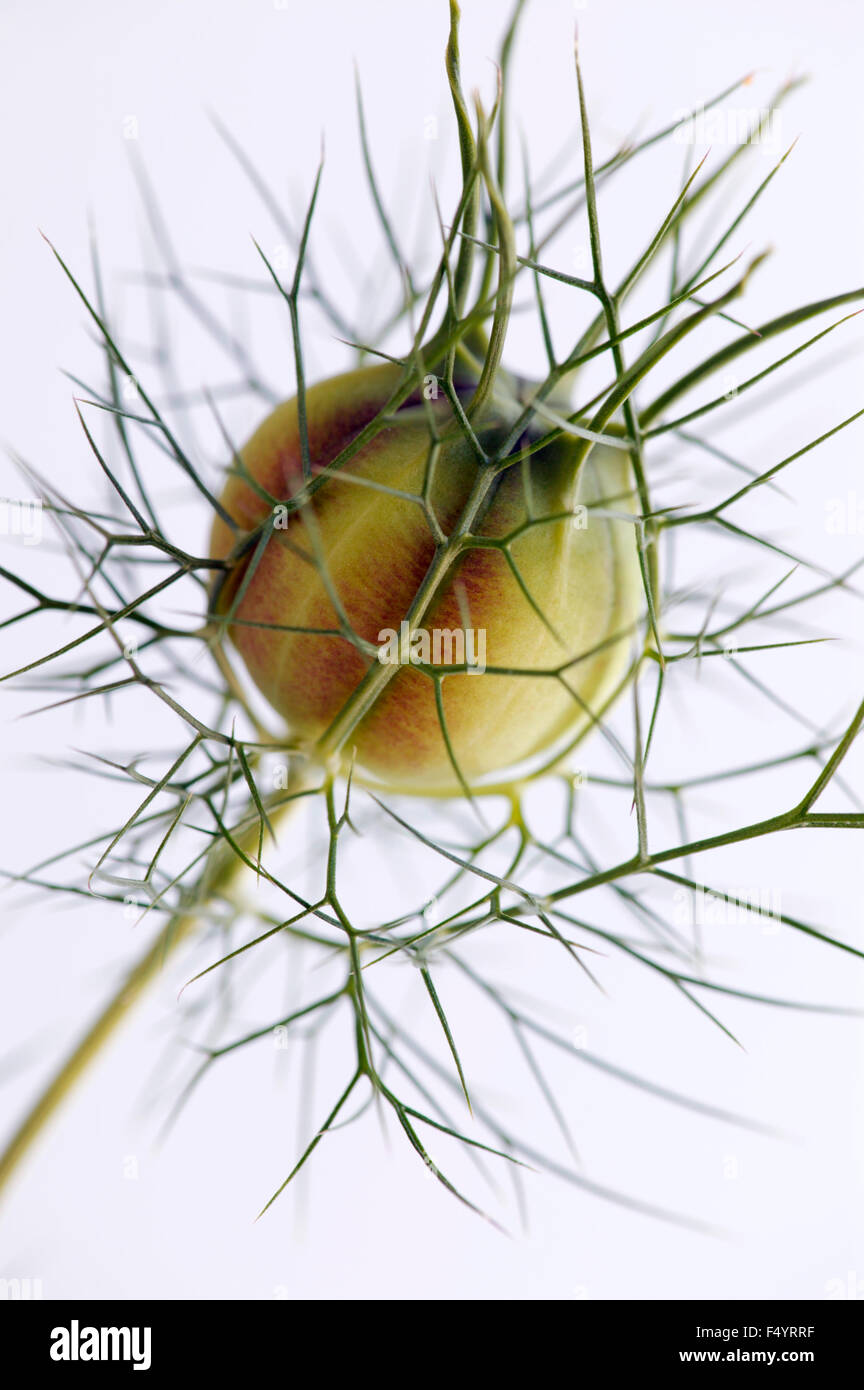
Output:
x=221 y=873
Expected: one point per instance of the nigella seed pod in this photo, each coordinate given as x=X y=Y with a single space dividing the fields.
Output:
x=438 y=575
x=533 y=618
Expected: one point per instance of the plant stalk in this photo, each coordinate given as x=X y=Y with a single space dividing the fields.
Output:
x=221 y=873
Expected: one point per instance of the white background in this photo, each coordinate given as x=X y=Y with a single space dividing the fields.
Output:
x=73 y=78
